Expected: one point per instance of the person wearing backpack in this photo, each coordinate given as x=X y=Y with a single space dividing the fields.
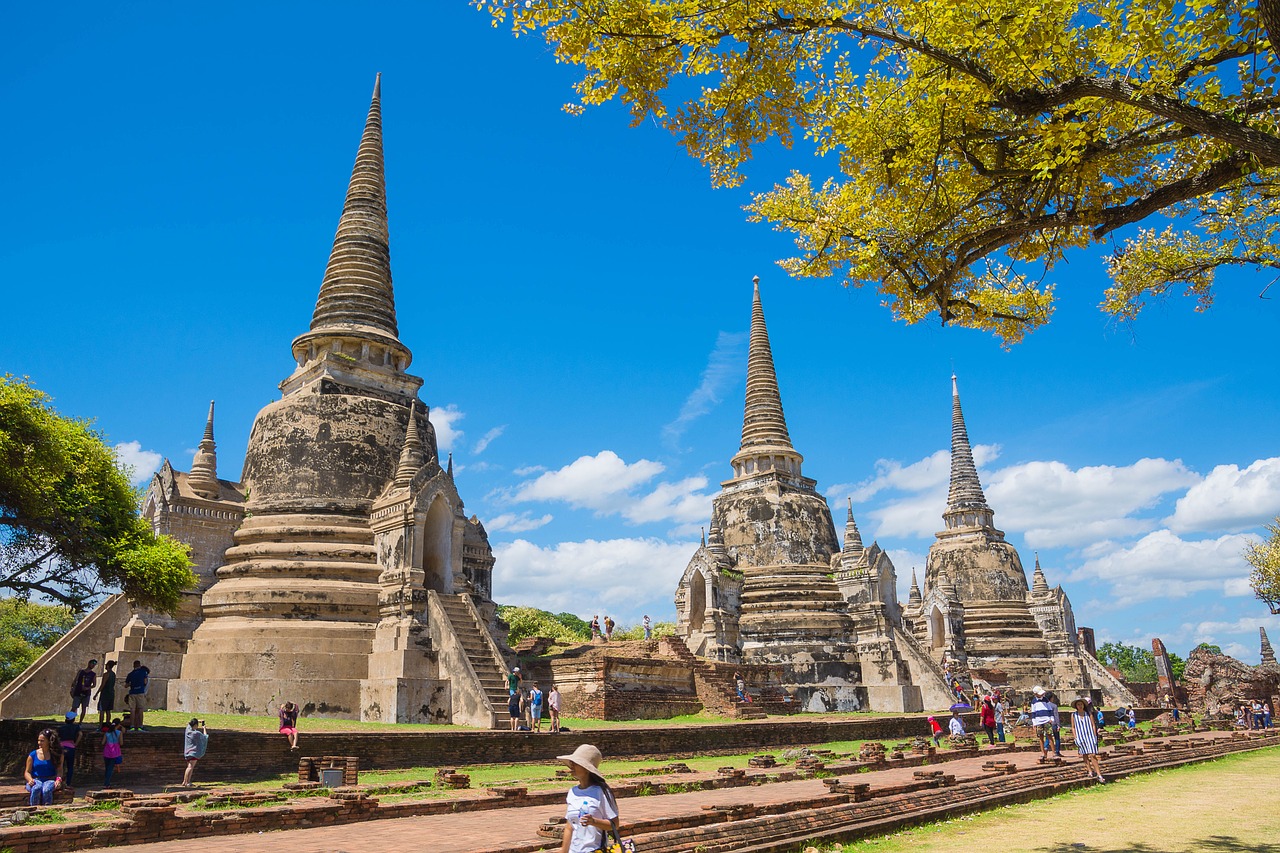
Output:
x=535 y=708
x=82 y=688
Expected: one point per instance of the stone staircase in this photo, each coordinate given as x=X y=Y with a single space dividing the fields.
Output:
x=718 y=693
x=480 y=651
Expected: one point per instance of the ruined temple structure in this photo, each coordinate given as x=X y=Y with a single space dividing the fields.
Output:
x=771 y=584
x=341 y=572
x=976 y=610
x=1217 y=684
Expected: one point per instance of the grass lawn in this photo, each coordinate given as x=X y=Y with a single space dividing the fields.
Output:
x=1229 y=804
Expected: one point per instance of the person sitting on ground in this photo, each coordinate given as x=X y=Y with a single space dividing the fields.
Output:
x=956 y=724
x=289 y=723
x=194 y=743
x=740 y=684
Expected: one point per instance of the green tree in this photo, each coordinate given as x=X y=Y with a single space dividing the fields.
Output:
x=1208 y=647
x=975 y=144
x=69 y=523
x=26 y=630
x=1264 y=557
x=1134 y=662
x=526 y=622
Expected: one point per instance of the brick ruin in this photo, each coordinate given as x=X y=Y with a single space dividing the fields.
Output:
x=341 y=571
x=771 y=584
x=1217 y=684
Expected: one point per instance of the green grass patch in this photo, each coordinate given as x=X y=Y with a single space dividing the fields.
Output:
x=45 y=816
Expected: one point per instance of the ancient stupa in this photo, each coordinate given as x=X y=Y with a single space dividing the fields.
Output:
x=976 y=609
x=341 y=572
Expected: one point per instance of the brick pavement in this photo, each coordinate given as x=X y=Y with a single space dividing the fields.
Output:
x=514 y=828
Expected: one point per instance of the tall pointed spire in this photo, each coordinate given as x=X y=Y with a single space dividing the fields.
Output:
x=1268 y=653
x=766 y=444
x=914 y=597
x=1039 y=586
x=853 y=550
x=763 y=422
x=966 y=504
x=203 y=478
x=412 y=455
x=356 y=290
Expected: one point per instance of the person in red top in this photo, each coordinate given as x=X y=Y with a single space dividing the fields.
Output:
x=987 y=716
x=936 y=727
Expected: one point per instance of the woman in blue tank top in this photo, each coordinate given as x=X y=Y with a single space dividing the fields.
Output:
x=44 y=769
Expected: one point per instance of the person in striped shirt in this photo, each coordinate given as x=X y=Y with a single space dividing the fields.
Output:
x=1086 y=732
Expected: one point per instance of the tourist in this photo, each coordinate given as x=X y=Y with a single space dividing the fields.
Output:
x=1024 y=715
x=1257 y=714
x=44 y=769
x=513 y=708
x=1042 y=717
x=82 y=688
x=1000 y=709
x=956 y=724
x=137 y=680
x=1100 y=718
x=107 y=693
x=112 y=749
x=194 y=743
x=740 y=684
x=535 y=707
x=553 y=705
x=1266 y=714
x=590 y=807
x=936 y=728
x=1122 y=715
x=1057 y=722
x=608 y=629
x=289 y=723
x=987 y=717
x=1086 y=733
x=69 y=736
x=595 y=627
x=1132 y=718
x=513 y=681
x=648 y=627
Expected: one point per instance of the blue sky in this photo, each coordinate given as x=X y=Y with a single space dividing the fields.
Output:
x=577 y=299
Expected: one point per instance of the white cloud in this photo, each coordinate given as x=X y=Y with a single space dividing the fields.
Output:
x=140 y=463
x=1205 y=632
x=609 y=485
x=1230 y=499
x=724 y=367
x=624 y=578
x=513 y=523
x=445 y=419
x=488 y=438
x=528 y=470
x=1161 y=565
x=1052 y=504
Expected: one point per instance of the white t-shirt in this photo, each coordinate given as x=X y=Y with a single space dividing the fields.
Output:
x=592 y=801
x=553 y=700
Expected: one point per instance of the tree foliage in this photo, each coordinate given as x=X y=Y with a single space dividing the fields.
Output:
x=1137 y=664
x=975 y=143
x=1264 y=557
x=26 y=630
x=526 y=622
x=69 y=523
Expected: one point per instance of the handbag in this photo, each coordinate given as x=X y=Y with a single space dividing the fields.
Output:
x=618 y=845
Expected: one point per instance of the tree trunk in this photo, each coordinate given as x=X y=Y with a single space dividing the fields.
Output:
x=1269 y=13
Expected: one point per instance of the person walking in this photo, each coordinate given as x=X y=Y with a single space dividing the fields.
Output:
x=289 y=723
x=1057 y=723
x=112 y=749
x=43 y=772
x=514 y=680
x=1086 y=733
x=648 y=627
x=595 y=627
x=936 y=728
x=591 y=810
x=535 y=707
x=194 y=743
x=553 y=705
x=608 y=629
x=1042 y=712
x=106 y=694
x=1266 y=714
x=137 y=679
x=1000 y=709
x=1132 y=719
x=82 y=688
x=69 y=737
x=987 y=718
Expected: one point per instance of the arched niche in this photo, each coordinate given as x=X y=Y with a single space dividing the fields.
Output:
x=437 y=547
x=937 y=629
x=697 y=600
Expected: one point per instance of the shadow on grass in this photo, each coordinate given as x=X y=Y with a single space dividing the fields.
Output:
x=1211 y=844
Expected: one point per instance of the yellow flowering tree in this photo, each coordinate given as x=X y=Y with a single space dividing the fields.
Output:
x=973 y=143
x=1264 y=558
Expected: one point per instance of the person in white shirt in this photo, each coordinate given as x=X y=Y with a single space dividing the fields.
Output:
x=590 y=808
x=1043 y=718
x=956 y=725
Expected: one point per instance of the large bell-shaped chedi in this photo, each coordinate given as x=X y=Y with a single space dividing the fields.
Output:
x=303 y=593
x=760 y=591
